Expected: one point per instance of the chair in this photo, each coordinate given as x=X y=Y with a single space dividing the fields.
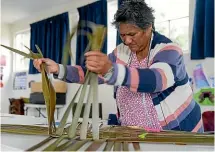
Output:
x=16 y=106
x=208 y=121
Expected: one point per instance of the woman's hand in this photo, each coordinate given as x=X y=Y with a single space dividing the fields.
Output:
x=98 y=62
x=51 y=66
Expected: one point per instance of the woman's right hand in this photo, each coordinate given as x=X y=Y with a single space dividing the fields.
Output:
x=51 y=66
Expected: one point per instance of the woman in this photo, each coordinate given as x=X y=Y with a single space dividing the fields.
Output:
x=147 y=70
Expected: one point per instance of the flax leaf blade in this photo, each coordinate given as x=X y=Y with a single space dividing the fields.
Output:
x=72 y=128
x=95 y=114
x=18 y=52
x=66 y=114
x=83 y=134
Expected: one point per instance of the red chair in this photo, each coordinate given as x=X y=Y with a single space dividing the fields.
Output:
x=208 y=121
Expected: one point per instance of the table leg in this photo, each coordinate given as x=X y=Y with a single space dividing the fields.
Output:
x=40 y=113
x=39 y=110
x=26 y=111
x=57 y=113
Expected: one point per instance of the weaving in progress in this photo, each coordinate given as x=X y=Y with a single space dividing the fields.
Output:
x=95 y=86
x=94 y=136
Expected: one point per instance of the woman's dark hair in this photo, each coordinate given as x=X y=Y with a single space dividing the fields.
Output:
x=135 y=12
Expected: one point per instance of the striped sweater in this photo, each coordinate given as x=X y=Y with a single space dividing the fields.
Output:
x=165 y=79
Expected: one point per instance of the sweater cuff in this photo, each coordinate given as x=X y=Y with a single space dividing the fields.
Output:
x=61 y=73
x=109 y=74
x=118 y=75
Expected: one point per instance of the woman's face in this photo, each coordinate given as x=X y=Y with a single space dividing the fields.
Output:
x=134 y=37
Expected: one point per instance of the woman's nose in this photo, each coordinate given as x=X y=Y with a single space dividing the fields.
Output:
x=127 y=40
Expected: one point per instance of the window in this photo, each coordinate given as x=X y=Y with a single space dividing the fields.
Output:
x=172 y=20
x=20 y=63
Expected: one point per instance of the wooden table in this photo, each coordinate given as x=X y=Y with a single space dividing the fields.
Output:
x=12 y=141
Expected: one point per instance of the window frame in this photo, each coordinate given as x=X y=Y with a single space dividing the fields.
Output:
x=15 y=55
x=169 y=29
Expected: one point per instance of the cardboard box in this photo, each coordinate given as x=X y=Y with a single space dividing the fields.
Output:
x=60 y=87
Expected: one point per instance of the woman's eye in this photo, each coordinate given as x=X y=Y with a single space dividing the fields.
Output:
x=132 y=34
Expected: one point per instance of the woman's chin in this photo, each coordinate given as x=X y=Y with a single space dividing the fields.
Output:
x=134 y=50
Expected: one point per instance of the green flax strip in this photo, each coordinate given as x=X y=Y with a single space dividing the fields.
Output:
x=65 y=145
x=77 y=145
x=125 y=146
x=95 y=124
x=83 y=133
x=40 y=144
x=72 y=128
x=108 y=146
x=136 y=146
x=117 y=146
x=67 y=48
x=99 y=33
x=49 y=95
x=95 y=145
x=63 y=121
x=54 y=145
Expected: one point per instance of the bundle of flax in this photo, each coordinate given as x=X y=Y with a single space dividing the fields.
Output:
x=48 y=89
x=96 y=40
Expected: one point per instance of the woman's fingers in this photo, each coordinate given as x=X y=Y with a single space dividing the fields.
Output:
x=93 y=69
x=37 y=64
x=51 y=66
x=92 y=66
x=92 y=63
x=97 y=62
x=92 y=58
x=94 y=53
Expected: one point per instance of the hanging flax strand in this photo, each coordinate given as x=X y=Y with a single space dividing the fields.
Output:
x=48 y=89
x=49 y=96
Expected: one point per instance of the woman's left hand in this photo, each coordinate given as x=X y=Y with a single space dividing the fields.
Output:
x=97 y=62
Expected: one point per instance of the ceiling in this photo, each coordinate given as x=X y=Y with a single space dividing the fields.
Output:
x=14 y=10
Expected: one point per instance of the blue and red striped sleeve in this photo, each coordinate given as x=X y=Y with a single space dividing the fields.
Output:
x=167 y=67
x=76 y=74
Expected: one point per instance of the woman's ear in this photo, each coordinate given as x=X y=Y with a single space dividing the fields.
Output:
x=150 y=28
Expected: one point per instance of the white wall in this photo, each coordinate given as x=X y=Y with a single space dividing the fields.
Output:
x=7 y=80
x=105 y=91
x=208 y=65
